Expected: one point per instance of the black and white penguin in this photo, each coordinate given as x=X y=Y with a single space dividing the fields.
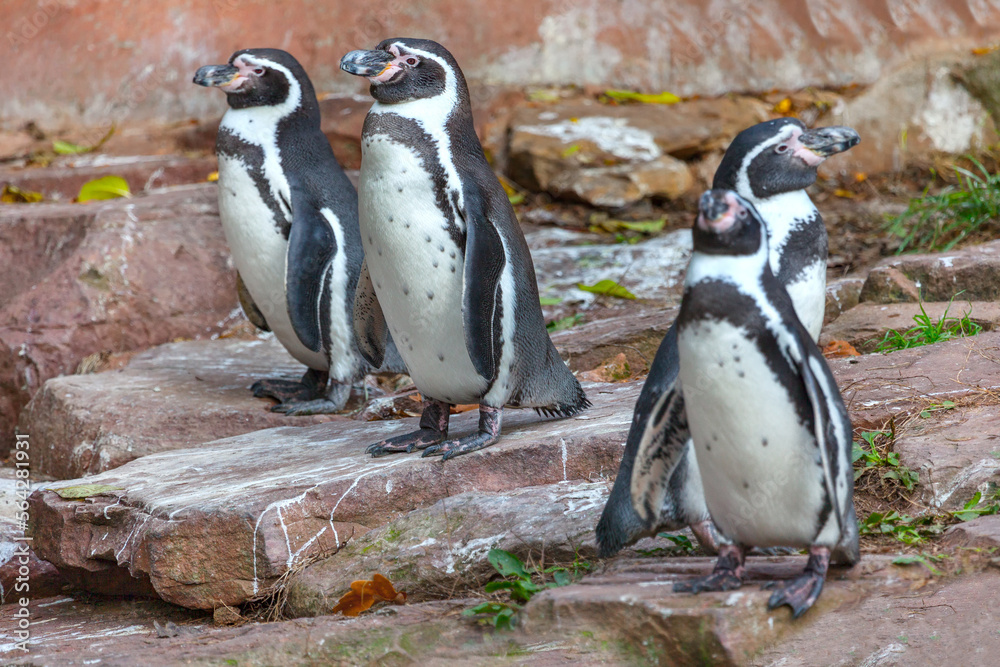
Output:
x=757 y=399
x=770 y=165
x=447 y=269
x=290 y=217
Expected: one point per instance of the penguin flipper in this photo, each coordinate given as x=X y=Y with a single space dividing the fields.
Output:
x=481 y=306
x=620 y=525
x=833 y=433
x=661 y=449
x=312 y=245
x=250 y=308
x=370 y=330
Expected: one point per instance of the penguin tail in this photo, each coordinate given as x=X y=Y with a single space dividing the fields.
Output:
x=574 y=404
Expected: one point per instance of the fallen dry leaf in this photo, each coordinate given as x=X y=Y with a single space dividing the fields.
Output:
x=784 y=106
x=840 y=348
x=612 y=370
x=365 y=593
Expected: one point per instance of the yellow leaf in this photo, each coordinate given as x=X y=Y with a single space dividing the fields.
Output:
x=784 y=106
x=213 y=177
x=14 y=195
x=642 y=98
x=845 y=194
x=81 y=491
x=106 y=187
x=860 y=177
x=983 y=50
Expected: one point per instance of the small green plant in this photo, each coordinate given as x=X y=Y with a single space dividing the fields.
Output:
x=888 y=464
x=933 y=223
x=975 y=508
x=906 y=529
x=564 y=323
x=929 y=331
x=914 y=530
x=925 y=558
x=682 y=546
x=521 y=585
x=936 y=407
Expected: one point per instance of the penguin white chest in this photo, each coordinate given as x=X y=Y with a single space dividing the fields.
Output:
x=416 y=268
x=761 y=470
x=259 y=252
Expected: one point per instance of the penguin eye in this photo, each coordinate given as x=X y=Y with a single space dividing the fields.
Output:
x=259 y=71
x=781 y=148
x=411 y=61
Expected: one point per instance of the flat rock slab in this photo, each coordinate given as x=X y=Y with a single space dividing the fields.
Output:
x=442 y=549
x=973 y=271
x=878 y=386
x=652 y=270
x=979 y=533
x=950 y=621
x=634 y=604
x=866 y=325
x=170 y=397
x=956 y=452
x=218 y=524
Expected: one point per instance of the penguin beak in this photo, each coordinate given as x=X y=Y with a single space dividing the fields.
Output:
x=827 y=141
x=372 y=64
x=216 y=76
x=717 y=211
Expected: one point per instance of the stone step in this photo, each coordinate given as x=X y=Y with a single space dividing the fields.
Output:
x=220 y=523
x=186 y=394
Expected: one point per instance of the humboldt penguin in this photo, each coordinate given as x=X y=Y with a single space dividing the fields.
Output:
x=447 y=269
x=770 y=165
x=290 y=218
x=758 y=401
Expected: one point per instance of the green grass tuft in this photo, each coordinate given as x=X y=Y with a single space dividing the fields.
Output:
x=928 y=331
x=935 y=223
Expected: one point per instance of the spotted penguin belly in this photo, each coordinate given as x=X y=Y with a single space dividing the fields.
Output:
x=761 y=471
x=416 y=269
x=259 y=252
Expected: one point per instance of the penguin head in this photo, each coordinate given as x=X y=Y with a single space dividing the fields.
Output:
x=779 y=156
x=261 y=78
x=406 y=69
x=728 y=224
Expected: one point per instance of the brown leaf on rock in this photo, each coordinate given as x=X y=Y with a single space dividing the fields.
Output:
x=616 y=369
x=840 y=348
x=364 y=593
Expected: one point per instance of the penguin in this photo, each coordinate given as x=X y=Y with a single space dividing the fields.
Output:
x=290 y=218
x=770 y=165
x=447 y=270
x=768 y=424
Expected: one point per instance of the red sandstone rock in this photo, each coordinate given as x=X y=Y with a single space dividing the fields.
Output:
x=114 y=276
x=218 y=524
x=186 y=394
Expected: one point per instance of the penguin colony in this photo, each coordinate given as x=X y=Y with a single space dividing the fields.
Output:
x=740 y=431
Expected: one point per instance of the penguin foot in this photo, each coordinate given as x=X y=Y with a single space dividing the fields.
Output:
x=727 y=575
x=309 y=388
x=489 y=433
x=801 y=593
x=433 y=430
